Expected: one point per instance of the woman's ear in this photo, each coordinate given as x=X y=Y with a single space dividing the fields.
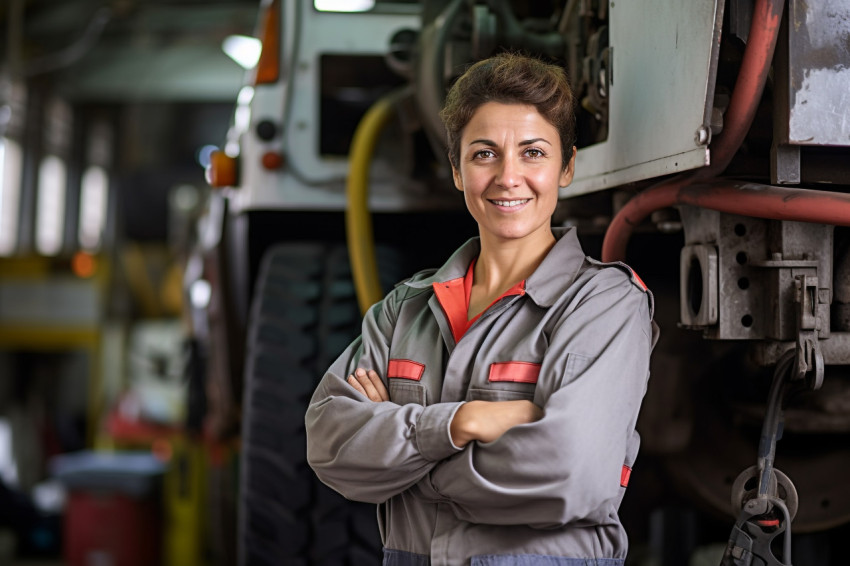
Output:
x=457 y=178
x=568 y=172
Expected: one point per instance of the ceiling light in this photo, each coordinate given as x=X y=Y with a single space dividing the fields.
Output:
x=344 y=5
x=243 y=49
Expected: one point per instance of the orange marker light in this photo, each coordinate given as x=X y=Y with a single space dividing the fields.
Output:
x=83 y=265
x=221 y=172
x=268 y=67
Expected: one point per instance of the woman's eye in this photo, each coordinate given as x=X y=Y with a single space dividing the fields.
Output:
x=534 y=152
x=483 y=154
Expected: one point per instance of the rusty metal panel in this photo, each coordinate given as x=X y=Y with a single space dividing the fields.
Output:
x=661 y=93
x=738 y=284
x=819 y=72
x=753 y=276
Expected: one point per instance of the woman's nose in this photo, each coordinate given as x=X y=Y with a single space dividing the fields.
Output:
x=509 y=174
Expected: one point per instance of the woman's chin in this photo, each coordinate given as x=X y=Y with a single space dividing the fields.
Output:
x=509 y=233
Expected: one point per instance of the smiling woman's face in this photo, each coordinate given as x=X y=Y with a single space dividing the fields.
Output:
x=510 y=171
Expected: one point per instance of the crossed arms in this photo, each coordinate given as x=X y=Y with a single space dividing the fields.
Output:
x=484 y=421
x=493 y=462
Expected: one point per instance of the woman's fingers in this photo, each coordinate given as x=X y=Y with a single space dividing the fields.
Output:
x=378 y=385
x=369 y=384
x=363 y=379
x=352 y=381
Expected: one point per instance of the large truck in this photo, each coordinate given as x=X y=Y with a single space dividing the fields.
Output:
x=714 y=138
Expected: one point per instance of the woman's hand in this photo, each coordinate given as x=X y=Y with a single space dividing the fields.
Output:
x=369 y=384
x=488 y=420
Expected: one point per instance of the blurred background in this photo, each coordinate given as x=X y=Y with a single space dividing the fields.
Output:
x=199 y=199
x=108 y=113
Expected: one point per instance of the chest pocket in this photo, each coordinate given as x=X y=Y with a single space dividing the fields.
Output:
x=405 y=385
x=508 y=381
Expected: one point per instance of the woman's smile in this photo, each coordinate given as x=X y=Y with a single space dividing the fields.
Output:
x=510 y=205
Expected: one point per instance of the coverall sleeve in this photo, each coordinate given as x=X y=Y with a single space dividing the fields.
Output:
x=371 y=451
x=567 y=466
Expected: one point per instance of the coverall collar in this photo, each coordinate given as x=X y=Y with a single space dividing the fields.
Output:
x=548 y=282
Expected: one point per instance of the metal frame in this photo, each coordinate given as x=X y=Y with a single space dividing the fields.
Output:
x=664 y=64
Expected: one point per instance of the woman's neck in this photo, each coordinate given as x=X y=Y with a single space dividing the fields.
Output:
x=501 y=265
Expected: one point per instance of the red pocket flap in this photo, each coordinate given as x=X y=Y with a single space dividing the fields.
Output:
x=625 y=475
x=518 y=372
x=405 y=369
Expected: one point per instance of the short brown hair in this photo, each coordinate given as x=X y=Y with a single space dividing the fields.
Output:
x=511 y=78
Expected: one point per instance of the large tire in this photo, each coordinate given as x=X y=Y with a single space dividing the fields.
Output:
x=303 y=315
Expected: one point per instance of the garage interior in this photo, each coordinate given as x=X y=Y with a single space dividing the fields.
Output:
x=198 y=193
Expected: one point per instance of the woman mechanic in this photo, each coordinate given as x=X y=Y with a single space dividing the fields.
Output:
x=489 y=406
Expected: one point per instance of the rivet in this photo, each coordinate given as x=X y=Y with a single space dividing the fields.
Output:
x=702 y=136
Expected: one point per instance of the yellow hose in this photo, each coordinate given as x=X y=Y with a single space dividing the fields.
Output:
x=358 y=219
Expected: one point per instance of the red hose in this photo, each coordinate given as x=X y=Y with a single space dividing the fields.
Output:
x=755 y=65
x=636 y=210
x=733 y=197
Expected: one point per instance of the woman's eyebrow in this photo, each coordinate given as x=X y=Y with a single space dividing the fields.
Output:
x=524 y=142
x=535 y=140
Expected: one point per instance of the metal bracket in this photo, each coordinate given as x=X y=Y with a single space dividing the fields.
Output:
x=809 y=358
x=806 y=296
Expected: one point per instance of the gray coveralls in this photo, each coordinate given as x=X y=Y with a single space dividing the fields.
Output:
x=577 y=343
